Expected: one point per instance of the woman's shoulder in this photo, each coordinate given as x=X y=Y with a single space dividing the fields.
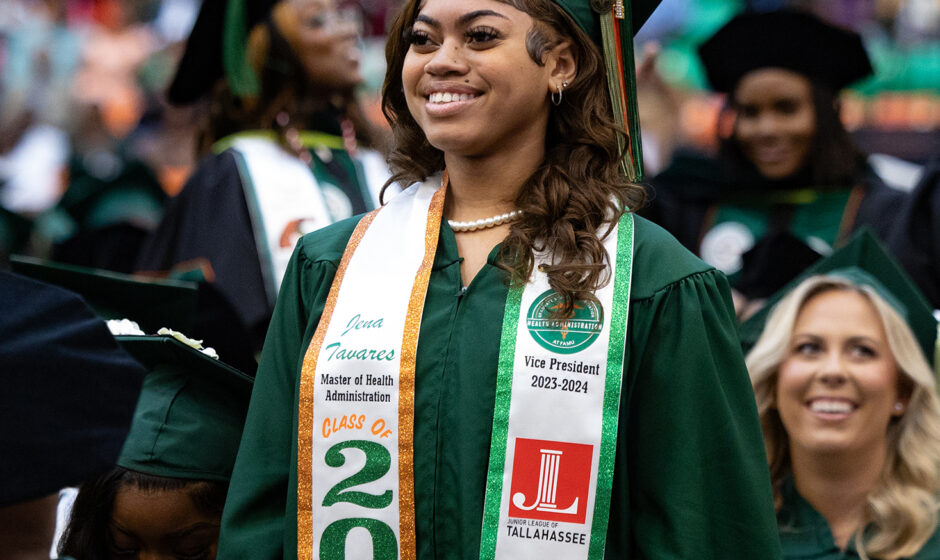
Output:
x=661 y=262
x=215 y=173
x=327 y=244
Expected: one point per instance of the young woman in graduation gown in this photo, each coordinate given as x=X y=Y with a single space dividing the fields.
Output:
x=547 y=399
x=789 y=184
x=850 y=412
x=285 y=148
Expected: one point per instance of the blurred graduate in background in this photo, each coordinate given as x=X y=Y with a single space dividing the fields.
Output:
x=68 y=397
x=789 y=184
x=165 y=496
x=286 y=147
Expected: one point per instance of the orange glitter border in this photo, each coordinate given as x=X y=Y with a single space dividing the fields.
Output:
x=406 y=378
x=305 y=403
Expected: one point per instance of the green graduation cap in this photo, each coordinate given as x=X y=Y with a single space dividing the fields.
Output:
x=864 y=261
x=611 y=24
x=151 y=303
x=190 y=415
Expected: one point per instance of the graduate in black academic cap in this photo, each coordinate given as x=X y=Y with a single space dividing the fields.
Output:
x=66 y=403
x=844 y=370
x=285 y=147
x=789 y=185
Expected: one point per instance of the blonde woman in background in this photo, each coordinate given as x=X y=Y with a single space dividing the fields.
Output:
x=850 y=416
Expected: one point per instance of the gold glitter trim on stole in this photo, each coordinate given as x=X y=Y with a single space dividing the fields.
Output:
x=305 y=402
x=406 y=378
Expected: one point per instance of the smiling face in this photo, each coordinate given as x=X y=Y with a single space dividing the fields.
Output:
x=161 y=524
x=776 y=120
x=327 y=44
x=469 y=81
x=837 y=387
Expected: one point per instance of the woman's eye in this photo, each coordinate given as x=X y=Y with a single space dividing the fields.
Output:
x=862 y=351
x=122 y=553
x=482 y=34
x=806 y=348
x=787 y=106
x=417 y=38
x=316 y=22
x=747 y=111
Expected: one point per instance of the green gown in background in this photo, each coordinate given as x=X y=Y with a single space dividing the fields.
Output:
x=805 y=535
x=691 y=478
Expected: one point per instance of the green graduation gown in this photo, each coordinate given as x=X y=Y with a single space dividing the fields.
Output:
x=805 y=534
x=691 y=478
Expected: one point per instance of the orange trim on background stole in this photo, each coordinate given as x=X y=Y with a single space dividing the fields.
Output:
x=305 y=400
x=406 y=379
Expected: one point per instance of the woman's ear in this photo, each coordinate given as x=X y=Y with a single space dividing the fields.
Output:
x=905 y=392
x=562 y=65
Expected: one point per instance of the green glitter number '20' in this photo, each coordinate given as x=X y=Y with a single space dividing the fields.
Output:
x=378 y=463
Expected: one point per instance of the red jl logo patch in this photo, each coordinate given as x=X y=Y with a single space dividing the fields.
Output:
x=550 y=480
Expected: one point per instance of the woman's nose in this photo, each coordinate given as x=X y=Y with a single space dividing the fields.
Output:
x=446 y=60
x=832 y=371
x=766 y=124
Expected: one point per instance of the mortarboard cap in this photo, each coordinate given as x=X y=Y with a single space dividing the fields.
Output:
x=612 y=25
x=68 y=390
x=864 y=261
x=216 y=47
x=796 y=41
x=194 y=308
x=190 y=415
x=151 y=303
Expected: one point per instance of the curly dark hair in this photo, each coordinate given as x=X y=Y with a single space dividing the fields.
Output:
x=576 y=189
x=284 y=87
x=87 y=536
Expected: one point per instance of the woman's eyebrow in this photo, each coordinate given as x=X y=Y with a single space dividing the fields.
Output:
x=193 y=528
x=462 y=20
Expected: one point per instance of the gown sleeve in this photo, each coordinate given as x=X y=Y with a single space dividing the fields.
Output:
x=915 y=239
x=697 y=472
x=262 y=493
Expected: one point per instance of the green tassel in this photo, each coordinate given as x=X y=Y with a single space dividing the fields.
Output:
x=632 y=163
x=626 y=35
x=241 y=76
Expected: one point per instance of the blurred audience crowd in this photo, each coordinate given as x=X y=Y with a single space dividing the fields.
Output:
x=90 y=150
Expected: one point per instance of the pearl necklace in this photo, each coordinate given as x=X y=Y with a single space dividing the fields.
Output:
x=484 y=223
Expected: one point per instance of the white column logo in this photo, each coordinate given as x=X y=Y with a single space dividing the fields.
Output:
x=548 y=487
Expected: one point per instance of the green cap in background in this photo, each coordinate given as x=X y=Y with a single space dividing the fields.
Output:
x=863 y=261
x=190 y=415
x=612 y=25
x=151 y=303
